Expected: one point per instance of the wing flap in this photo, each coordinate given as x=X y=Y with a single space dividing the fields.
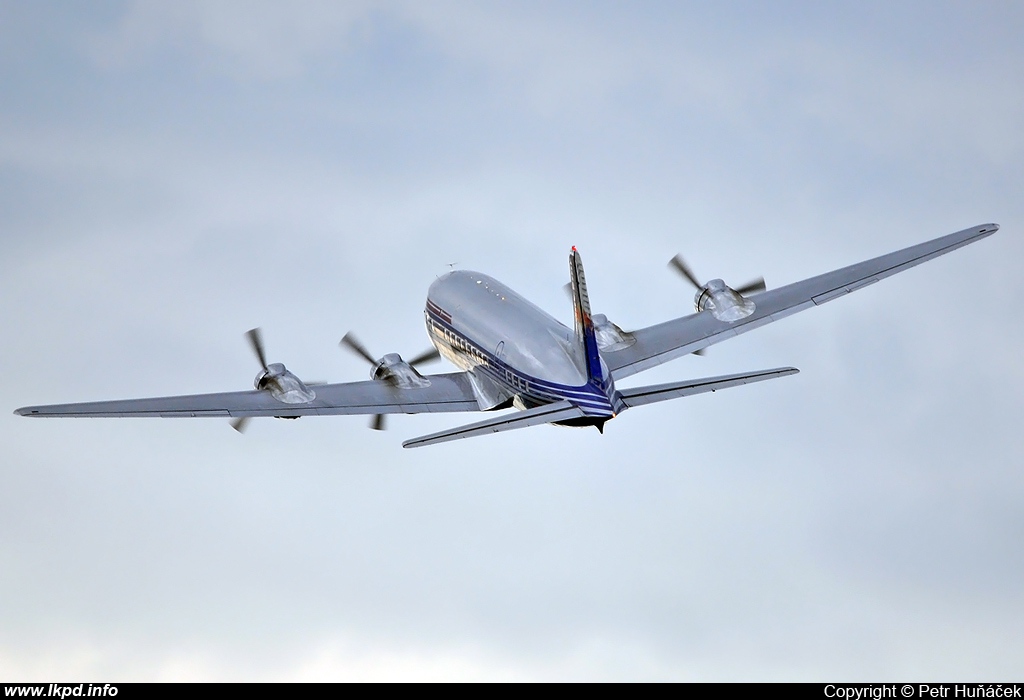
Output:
x=666 y=341
x=549 y=413
x=643 y=395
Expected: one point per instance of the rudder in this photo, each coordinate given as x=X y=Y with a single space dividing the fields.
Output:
x=586 y=339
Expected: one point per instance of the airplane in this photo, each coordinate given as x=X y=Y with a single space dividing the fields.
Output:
x=512 y=354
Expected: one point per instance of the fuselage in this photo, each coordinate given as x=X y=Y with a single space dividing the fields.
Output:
x=524 y=355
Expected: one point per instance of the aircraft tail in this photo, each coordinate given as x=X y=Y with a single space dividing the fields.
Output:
x=565 y=412
x=586 y=339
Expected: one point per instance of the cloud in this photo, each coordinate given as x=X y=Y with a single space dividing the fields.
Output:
x=255 y=40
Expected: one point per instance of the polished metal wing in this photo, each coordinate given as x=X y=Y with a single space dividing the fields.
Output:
x=657 y=344
x=445 y=393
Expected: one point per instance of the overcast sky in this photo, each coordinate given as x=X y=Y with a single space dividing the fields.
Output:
x=173 y=174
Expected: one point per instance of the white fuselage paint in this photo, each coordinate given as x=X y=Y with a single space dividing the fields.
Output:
x=484 y=327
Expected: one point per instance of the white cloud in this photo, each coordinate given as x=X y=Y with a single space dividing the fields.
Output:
x=585 y=64
x=253 y=38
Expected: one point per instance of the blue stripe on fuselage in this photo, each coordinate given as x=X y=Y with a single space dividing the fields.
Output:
x=596 y=398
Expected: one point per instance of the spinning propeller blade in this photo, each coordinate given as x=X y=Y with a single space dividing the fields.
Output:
x=424 y=357
x=255 y=337
x=353 y=344
x=757 y=285
x=682 y=268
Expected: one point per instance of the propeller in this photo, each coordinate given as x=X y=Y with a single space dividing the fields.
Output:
x=683 y=269
x=351 y=342
x=255 y=336
x=680 y=266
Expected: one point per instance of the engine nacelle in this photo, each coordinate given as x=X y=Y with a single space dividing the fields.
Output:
x=283 y=385
x=724 y=303
x=609 y=336
x=393 y=369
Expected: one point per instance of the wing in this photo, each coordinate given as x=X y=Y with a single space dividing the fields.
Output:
x=446 y=393
x=666 y=341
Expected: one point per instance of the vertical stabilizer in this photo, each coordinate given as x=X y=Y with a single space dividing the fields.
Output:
x=585 y=338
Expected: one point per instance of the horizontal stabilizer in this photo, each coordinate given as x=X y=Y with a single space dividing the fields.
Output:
x=643 y=395
x=548 y=413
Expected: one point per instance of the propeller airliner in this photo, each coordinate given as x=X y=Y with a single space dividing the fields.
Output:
x=512 y=354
